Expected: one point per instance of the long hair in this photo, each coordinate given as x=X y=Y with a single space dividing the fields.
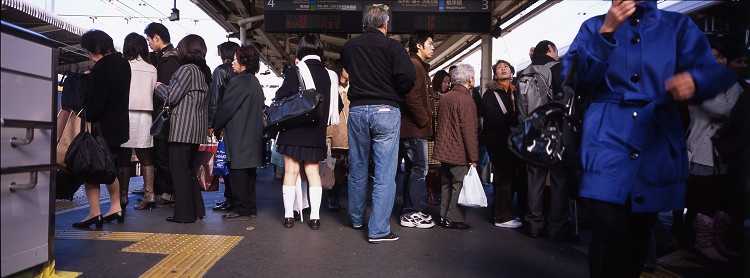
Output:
x=135 y=46
x=192 y=50
x=437 y=80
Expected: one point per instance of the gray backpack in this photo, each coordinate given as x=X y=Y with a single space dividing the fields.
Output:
x=534 y=88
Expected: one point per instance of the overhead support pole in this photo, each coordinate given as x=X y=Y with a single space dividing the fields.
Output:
x=486 y=71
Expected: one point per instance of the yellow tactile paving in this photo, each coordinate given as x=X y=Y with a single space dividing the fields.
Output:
x=195 y=258
x=161 y=243
x=188 y=255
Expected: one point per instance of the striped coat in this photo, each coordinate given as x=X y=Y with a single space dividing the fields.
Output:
x=188 y=98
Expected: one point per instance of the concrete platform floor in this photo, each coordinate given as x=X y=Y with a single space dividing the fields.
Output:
x=148 y=246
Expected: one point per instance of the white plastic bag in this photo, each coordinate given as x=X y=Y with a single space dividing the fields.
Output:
x=472 y=193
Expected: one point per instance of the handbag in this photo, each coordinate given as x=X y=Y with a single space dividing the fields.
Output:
x=205 y=165
x=160 y=127
x=89 y=156
x=71 y=130
x=472 y=193
x=299 y=109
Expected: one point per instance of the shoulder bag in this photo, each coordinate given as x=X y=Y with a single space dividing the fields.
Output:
x=298 y=109
x=89 y=156
x=160 y=127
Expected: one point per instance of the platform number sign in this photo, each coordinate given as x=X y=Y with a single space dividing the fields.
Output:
x=270 y=3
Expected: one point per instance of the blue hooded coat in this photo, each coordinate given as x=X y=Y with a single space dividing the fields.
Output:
x=633 y=145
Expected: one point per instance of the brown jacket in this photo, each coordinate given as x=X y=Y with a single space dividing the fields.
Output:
x=416 y=115
x=339 y=137
x=456 y=139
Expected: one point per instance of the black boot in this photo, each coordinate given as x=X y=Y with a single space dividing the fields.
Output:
x=123 y=176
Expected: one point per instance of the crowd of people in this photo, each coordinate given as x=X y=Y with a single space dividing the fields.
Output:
x=383 y=108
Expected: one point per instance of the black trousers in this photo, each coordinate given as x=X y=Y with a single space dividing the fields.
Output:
x=163 y=174
x=619 y=239
x=228 y=188
x=187 y=192
x=559 y=209
x=503 y=190
x=243 y=190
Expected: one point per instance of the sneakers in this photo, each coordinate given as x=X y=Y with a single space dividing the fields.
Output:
x=416 y=220
x=512 y=224
x=389 y=237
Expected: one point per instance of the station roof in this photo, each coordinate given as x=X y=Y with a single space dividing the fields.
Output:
x=278 y=49
x=51 y=26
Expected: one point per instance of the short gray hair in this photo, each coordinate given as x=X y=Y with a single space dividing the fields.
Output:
x=375 y=17
x=462 y=74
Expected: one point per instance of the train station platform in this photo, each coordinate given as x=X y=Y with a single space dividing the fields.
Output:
x=145 y=245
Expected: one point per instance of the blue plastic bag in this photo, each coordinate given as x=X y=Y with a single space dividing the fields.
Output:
x=220 y=162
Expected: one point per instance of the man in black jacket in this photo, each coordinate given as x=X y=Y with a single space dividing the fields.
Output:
x=220 y=78
x=164 y=58
x=380 y=74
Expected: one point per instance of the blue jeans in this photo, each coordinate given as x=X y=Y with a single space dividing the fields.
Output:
x=415 y=154
x=377 y=127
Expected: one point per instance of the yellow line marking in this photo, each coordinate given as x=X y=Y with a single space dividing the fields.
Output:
x=188 y=255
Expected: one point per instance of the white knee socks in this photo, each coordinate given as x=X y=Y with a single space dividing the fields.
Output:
x=288 y=194
x=316 y=193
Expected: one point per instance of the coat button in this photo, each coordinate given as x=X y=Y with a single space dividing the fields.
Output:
x=635 y=78
x=634 y=21
x=635 y=114
x=639 y=199
x=633 y=155
x=635 y=40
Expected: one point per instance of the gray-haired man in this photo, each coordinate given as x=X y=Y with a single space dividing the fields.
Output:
x=380 y=74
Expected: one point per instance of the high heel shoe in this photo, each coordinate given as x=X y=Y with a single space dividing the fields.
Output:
x=119 y=216
x=87 y=223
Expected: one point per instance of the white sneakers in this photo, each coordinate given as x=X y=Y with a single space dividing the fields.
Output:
x=512 y=224
x=417 y=220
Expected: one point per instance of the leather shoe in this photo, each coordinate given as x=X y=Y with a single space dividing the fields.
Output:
x=315 y=224
x=225 y=206
x=447 y=224
x=288 y=222
x=234 y=216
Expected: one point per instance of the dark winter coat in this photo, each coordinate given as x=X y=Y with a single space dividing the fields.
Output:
x=456 y=139
x=219 y=81
x=416 y=115
x=313 y=135
x=240 y=115
x=109 y=96
x=497 y=124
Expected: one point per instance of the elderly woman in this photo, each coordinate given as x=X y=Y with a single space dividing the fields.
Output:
x=239 y=114
x=106 y=105
x=456 y=144
x=305 y=144
x=187 y=96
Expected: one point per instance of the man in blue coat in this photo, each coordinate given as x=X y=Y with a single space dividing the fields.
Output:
x=638 y=60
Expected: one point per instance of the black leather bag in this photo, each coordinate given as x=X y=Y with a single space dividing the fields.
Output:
x=89 y=157
x=160 y=127
x=299 y=109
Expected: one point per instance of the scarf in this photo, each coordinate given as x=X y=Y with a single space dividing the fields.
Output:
x=333 y=108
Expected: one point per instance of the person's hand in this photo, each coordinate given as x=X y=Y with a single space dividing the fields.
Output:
x=617 y=14
x=158 y=83
x=473 y=164
x=210 y=132
x=531 y=52
x=681 y=86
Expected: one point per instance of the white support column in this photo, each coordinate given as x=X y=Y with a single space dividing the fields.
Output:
x=486 y=71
